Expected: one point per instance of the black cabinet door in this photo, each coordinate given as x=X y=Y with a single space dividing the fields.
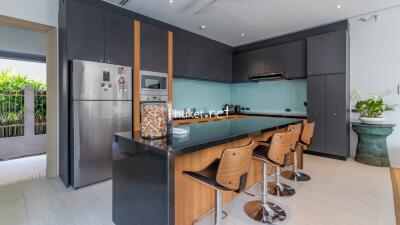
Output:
x=337 y=131
x=220 y=66
x=237 y=68
x=85 y=36
x=118 y=39
x=180 y=55
x=296 y=60
x=153 y=48
x=227 y=67
x=274 y=59
x=253 y=63
x=326 y=53
x=198 y=58
x=316 y=110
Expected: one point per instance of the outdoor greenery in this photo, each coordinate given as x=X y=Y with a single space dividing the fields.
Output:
x=374 y=106
x=12 y=102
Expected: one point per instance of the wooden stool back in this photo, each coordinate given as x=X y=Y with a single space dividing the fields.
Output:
x=280 y=147
x=308 y=133
x=295 y=131
x=234 y=166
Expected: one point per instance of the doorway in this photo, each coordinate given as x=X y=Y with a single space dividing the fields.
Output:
x=28 y=100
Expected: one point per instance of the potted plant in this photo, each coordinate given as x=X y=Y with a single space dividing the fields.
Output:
x=372 y=108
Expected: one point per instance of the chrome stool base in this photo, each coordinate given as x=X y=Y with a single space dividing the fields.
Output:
x=290 y=175
x=268 y=214
x=282 y=190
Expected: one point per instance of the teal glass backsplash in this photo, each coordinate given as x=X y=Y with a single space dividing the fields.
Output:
x=271 y=96
x=262 y=97
x=202 y=95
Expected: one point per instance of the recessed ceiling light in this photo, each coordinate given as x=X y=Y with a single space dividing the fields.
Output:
x=242 y=34
x=338 y=6
x=202 y=27
x=171 y=1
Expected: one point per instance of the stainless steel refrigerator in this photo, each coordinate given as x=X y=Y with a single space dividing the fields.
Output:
x=101 y=105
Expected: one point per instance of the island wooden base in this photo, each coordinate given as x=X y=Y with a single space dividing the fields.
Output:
x=193 y=199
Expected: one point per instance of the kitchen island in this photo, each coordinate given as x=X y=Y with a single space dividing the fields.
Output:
x=148 y=185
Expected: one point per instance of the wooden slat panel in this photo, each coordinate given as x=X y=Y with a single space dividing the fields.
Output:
x=395 y=174
x=170 y=65
x=136 y=77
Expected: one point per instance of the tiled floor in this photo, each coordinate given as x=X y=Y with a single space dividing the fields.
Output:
x=22 y=169
x=345 y=193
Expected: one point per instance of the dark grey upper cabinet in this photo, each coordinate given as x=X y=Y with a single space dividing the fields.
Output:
x=296 y=60
x=238 y=74
x=337 y=132
x=274 y=59
x=118 y=40
x=198 y=58
x=316 y=110
x=153 y=48
x=220 y=66
x=326 y=53
x=254 y=62
x=180 y=55
x=85 y=36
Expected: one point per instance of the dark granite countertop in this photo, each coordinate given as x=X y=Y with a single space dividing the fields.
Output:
x=205 y=135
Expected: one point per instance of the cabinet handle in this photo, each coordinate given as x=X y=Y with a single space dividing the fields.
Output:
x=334 y=114
x=108 y=61
x=309 y=73
x=316 y=114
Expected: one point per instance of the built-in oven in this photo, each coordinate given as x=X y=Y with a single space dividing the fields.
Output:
x=153 y=86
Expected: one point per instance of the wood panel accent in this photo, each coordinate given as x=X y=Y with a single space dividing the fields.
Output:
x=136 y=76
x=170 y=65
x=395 y=175
x=193 y=199
x=24 y=24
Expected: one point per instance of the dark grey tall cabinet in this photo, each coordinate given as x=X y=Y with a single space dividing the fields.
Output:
x=328 y=93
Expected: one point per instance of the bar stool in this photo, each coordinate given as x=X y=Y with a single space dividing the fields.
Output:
x=229 y=173
x=275 y=155
x=296 y=175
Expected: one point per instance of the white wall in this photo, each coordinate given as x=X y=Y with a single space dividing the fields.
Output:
x=39 y=11
x=375 y=66
x=21 y=40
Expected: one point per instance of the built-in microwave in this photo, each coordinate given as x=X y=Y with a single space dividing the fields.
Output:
x=153 y=84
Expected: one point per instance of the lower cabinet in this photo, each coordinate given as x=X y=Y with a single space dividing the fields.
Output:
x=328 y=107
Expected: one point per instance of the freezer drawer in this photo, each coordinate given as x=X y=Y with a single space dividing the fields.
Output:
x=94 y=125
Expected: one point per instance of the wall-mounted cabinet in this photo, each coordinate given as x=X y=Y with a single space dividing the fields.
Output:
x=99 y=36
x=200 y=59
x=288 y=59
x=153 y=48
x=85 y=36
x=118 y=39
x=296 y=60
x=180 y=54
x=326 y=53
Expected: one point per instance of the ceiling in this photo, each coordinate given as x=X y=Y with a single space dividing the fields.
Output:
x=227 y=20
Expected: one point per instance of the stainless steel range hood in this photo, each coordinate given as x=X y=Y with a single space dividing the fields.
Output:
x=267 y=77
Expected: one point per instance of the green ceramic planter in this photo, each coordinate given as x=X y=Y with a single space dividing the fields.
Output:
x=372 y=147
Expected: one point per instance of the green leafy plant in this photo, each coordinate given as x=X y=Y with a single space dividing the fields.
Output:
x=374 y=106
x=12 y=85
